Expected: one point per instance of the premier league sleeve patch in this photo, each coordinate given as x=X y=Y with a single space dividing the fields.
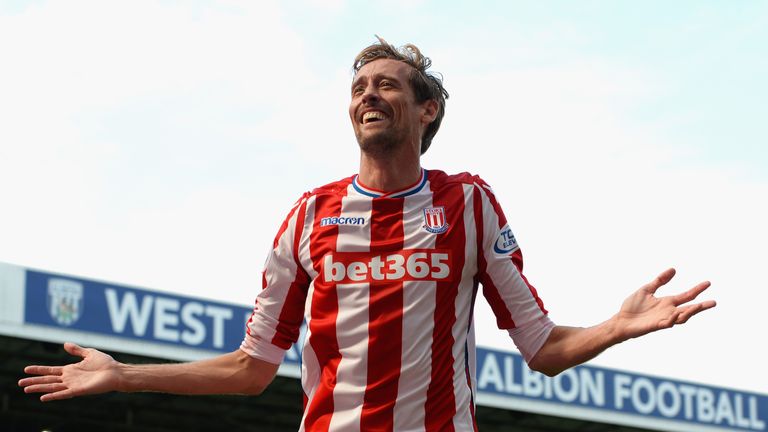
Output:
x=505 y=242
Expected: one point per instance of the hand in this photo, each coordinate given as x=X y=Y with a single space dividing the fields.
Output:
x=96 y=373
x=643 y=313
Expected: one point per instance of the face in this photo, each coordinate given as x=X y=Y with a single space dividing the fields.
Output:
x=383 y=109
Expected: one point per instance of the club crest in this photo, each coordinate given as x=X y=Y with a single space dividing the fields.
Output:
x=65 y=301
x=435 y=220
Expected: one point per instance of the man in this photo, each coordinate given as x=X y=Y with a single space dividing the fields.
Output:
x=384 y=268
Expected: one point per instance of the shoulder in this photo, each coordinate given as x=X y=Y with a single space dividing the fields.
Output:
x=337 y=187
x=439 y=179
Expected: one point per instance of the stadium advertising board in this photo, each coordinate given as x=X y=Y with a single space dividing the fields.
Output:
x=503 y=379
x=618 y=392
x=114 y=310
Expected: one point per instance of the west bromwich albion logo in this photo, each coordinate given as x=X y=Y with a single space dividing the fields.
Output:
x=65 y=301
x=435 y=220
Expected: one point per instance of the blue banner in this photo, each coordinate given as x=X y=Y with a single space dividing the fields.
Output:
x=67 y=302
x=114 y=310
x=506 y=374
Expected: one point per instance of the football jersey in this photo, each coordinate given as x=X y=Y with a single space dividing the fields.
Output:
x=386 y=284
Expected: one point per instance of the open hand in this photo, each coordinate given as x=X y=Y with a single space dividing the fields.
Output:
x=96 y=373
x=643 y=312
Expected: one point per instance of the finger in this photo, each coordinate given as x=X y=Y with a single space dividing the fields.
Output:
x=688 y=311
x=45 y=388
x=75 y=349
x=691 y=294
x=660 y=280
x=43 y=370
x=39 y=380
x=59 y=395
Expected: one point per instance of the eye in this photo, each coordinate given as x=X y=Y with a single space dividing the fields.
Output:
x=356 y=90
x=385 y=84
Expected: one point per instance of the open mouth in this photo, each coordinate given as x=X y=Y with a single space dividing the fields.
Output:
x=373 y=116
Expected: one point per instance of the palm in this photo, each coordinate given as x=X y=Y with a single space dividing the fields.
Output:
x=643 y=312
x=94 y=374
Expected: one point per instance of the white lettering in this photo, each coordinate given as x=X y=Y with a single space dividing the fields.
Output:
x=688 y=393
x=533 y=384
x=621 y=389
x=567 y=393
x=334 y=271
x=640 y=384
x=376 y=265
x=673 y=408
x=357 y=271
x=349 y=267
x=705 y=404
x=219 y=315
x=166 y=315
x=417 y=265
x=119 y=312
x=490 y=373
x=189 y=316
x=440 y=261
x=592 y=385
x=172 y=322
x=754 y=422
x=741 y=421
x=509 y=377
x=724 y=409
x=395 y=263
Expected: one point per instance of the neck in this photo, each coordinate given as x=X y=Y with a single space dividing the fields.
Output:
x=388 y=174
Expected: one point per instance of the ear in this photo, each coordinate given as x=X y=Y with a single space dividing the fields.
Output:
x=429 y=112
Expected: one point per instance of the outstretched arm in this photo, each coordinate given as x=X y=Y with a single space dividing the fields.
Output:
x=97 y=372
x=640 y=314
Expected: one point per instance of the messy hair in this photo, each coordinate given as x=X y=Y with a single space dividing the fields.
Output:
x=426 y=85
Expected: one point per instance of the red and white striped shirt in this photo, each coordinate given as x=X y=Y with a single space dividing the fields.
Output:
x=386 y=283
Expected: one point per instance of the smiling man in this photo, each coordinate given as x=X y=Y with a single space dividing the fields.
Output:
x=384 y=268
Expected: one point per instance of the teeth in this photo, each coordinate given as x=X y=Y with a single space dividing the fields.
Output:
x=378 y=115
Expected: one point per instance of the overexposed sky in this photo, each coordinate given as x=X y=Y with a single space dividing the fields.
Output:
x=161 y=143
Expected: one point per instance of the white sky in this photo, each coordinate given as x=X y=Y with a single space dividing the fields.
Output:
x=160 y=144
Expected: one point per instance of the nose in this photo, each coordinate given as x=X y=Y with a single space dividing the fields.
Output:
x=370 y=95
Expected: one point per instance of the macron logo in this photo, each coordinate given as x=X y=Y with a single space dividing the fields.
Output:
x=342 y=221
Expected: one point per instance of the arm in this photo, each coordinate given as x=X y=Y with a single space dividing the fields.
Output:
x=640 y=314
x=232 y=373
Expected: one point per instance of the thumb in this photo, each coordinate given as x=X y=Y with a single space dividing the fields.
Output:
x=75 y=350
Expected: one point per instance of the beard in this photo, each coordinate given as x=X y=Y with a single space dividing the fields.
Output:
x=381 y=143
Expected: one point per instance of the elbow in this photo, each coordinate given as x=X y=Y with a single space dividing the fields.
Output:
x=256 y=384
x=546 y=365
x=254 y=375
x=548 y=371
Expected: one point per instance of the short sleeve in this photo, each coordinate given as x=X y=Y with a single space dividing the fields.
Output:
x=514 y=301
x=279 y=310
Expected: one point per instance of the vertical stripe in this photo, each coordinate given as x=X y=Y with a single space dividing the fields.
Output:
x=352 y=321
x=441 y=403
x=322 y=324
x=491 y=293
x=464 y=347
x=292 y=314
x=418 y=311
x=282 y=296
x=310 y=368
x=385 y=318
x=471 y=360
